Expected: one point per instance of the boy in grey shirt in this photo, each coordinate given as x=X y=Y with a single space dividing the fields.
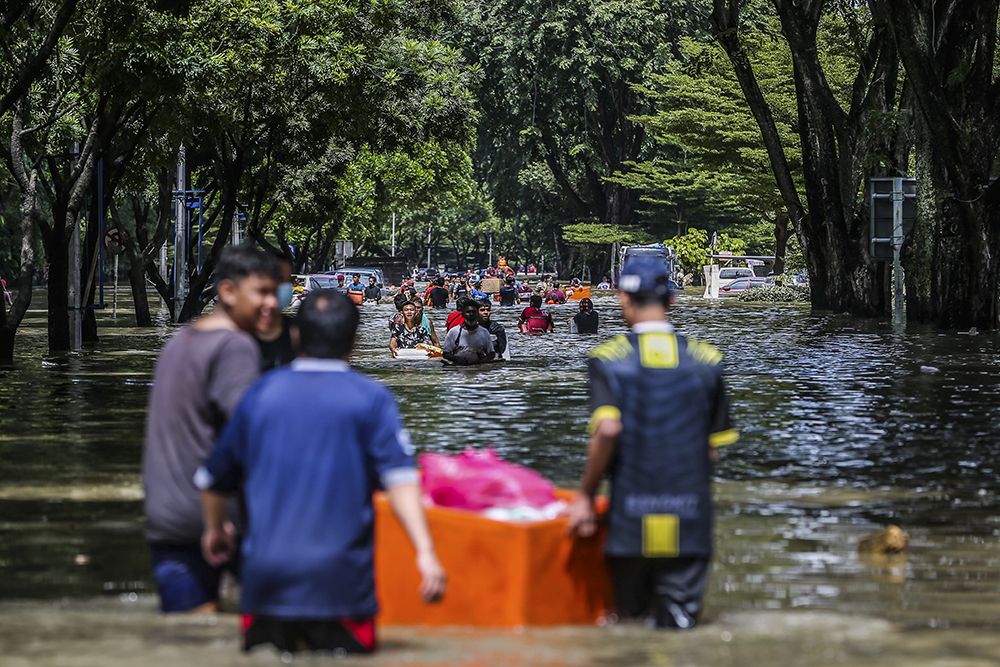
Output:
x=469 y=343
x=200 y=377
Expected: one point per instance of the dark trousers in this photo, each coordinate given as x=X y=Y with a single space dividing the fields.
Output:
x=317 y=635
x=668 y=589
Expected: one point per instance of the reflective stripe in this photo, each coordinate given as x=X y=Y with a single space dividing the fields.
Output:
x=602 y=413
x=658 y=350
x=613 y=349
x=724 y=438
x=661 y=535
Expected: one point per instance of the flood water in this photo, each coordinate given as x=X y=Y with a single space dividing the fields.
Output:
x=847 y=425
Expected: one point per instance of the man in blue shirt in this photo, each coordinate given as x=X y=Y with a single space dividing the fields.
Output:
x=307 y=555
x=474 y=291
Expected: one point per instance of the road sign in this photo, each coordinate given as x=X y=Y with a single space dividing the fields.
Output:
x=890 y=197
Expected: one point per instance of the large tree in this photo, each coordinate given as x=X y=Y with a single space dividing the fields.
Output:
x=711 y=166
x=280 y=88
x=845 y=135
x=557 y=94
x=949 y=51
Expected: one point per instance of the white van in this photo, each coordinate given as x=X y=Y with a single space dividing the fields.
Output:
x=731 y=273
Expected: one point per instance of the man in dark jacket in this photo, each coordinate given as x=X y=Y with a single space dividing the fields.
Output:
x=659 y=415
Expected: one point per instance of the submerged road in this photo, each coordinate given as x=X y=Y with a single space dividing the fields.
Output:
x=842 y=432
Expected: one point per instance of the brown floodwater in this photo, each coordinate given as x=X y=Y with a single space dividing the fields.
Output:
x=847 y=425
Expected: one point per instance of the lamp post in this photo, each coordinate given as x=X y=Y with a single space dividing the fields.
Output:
x=428 y=265
x=180 y=238
x=75 y=302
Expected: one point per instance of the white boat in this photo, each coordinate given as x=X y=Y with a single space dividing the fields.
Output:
x=404 y=354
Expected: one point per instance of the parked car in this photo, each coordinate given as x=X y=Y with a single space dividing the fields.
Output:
x=317 y=281
x=731 y=273
x=365 y=273
x=741 y=285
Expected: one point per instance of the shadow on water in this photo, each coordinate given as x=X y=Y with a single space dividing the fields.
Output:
x=847 y=425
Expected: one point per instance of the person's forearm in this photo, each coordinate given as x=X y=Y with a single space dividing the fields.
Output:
x=406 y=503
x=599 y=454
x=213 y=510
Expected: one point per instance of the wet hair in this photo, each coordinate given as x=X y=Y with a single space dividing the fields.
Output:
x=586 y=302
x=440 y=281
x=535 y=301
x=510 y=280
x=327 y=323
x=485 y=303
x=240 y=261
x=555 y=285
x=460 y=302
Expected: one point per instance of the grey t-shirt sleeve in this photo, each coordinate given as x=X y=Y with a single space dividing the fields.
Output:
x=236 y=367
x=451 y=340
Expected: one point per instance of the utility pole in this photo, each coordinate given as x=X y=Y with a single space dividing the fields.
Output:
x=490 y=263
x=75 y=302
x=236 y=240
x=114 y=295
x=180 y=238
x=393 y=233
x=428 y=265
x=898 y=295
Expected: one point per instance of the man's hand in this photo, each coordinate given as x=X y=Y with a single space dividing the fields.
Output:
x=218 y=545
x=582 y=516
x=433 y=579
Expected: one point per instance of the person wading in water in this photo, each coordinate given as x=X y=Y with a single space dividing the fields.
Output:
x=659 y=415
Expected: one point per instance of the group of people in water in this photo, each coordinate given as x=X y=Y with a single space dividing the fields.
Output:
x=472 y=336
x=232 y=484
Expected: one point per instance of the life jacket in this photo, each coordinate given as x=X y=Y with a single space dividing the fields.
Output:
x=667 y=390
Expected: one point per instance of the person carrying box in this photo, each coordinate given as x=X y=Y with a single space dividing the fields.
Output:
x=307 y=554
x=660 y=413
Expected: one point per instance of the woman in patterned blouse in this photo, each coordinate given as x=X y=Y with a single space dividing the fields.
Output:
x=410 y=332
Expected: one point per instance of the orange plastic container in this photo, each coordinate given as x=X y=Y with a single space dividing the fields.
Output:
x=582 y=292
x=356 y=297
x=500 y=574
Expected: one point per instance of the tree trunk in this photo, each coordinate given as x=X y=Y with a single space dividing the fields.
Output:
x=966 y=266
x=57 y=253
x=781 y=235
x=7 y=339
x=918 y=249
x=137 y=281
x=89 y=279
